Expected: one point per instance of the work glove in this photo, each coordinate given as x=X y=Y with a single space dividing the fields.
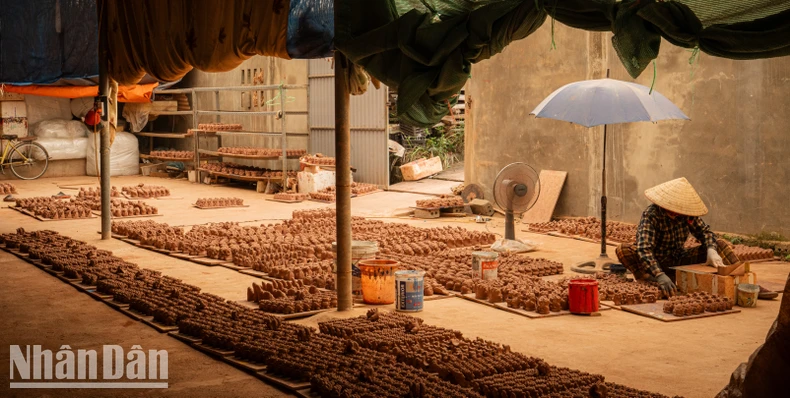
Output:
x=714 y=259
x=666 y=285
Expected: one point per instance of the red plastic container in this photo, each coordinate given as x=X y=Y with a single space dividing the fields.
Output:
x=583 y=296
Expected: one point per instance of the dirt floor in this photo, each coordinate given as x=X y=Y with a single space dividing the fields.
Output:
x=693 y=358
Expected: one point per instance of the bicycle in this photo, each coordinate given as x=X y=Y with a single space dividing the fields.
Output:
x=28 y=160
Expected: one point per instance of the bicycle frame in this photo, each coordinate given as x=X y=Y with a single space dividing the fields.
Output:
x=9 y=146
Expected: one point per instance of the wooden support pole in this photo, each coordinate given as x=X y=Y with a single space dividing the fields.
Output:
x=345 y=300
x=104 y=89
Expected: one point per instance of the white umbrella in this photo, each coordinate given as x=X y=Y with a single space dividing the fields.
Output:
x=600 y=102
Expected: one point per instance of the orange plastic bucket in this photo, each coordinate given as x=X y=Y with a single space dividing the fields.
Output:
x=378 y=280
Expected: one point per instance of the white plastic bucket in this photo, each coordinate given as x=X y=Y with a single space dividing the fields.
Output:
x=360 y=250
x=485 y=265
x=409 y=290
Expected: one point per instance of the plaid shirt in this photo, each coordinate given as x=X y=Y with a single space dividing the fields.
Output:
x=660 y=239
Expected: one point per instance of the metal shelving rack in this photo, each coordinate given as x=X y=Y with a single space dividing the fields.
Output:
x=168 y=134
x=282 y=113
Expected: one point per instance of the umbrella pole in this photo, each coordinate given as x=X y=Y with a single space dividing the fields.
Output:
x=603 y=199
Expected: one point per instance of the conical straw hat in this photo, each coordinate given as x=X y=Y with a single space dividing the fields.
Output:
x=677 y=196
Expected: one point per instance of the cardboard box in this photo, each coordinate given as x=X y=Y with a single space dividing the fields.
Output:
x=689 y=280
x=421 y=168
x=13 y=118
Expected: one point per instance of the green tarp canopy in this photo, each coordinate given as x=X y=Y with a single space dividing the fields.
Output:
x=425 y=48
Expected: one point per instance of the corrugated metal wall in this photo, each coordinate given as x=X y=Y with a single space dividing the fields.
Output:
x=369 y=153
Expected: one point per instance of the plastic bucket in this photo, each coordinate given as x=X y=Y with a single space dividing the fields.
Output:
x=485 y=265
x=583 y=296
x=409 y=290
x=747 y=295
x=360 y=250
x=378 y=280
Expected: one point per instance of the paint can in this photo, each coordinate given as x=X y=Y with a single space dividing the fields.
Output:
x=746 y=295
x=485 y=265
x=583 y=296
x=409 y=290
x=360 y=250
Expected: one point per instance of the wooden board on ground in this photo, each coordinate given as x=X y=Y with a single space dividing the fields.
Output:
x=656 y=311
x=81 y=286
x=183 y=256
x=285 y=201
x=39 y=218
x=184 y=338
x=232 y=266
x=207 y=261
x=503 y=306
x=436 y=297
x=134 y=314
x=305 y=314
x=160 y=327
x=244 y=364
x=98 y=213
x=287 y=383
x=217 y=207
x=115 y=304
x=253 y=272
x=306 y=393
x=142 y=198
x=217 y=352
x=99 y=296
x=551 y=183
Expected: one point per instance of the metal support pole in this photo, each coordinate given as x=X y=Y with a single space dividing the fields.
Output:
x=603 y=198
x=104 y=86
x=343 y=184
x=283 y=139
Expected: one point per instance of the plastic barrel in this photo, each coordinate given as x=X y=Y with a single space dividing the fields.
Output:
x=360 y=250
x=746 y=295
x=583 y=296
x=485 y=265
x=409 y=290
x=378 y=280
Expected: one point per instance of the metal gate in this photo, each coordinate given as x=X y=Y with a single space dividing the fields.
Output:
x=369 y=120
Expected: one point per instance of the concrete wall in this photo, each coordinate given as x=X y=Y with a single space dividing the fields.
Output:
x=735 y=150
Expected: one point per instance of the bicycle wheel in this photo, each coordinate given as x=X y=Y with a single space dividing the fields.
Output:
x=28 y=160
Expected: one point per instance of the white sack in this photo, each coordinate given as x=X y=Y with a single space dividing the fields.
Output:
x=137 y=115
x=58 y=128
x=65 y=148
x=124 y=155
x=45 y=108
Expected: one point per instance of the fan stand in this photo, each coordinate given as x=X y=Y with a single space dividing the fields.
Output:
x=603 y=262
x=509 y=243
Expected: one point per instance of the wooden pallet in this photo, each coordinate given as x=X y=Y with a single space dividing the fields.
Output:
x=285 y=201
x=216 y=352
x=160 y=327
x=656 y=311
x=98 y=213
x=244 y=364
x=140 y=198
x=184 y=338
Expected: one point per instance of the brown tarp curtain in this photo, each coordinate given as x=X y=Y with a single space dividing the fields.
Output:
x=167 y=39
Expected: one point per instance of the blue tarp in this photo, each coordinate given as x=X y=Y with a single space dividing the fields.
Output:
x=44 y=41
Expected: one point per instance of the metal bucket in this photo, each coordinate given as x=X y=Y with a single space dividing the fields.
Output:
x=485 y=265
x=746 y=296
x=409 y=290
x=360 y=250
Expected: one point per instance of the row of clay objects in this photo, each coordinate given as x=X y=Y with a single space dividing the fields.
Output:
x=65 y=212
x=747 y=253
x=173 y=154
x=696 y=303
x=319 y=159
x=444 y=201
x=146 y=191
x=92 y=192
x=29 y=203
x=219 y=126
x=7 y=188
x=325 y=195
x=313 y=214
x=219 y=202
x=359 y=188
x=290 y=196
x=133 y=208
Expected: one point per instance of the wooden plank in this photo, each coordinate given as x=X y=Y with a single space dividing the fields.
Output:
x=656 y=311
x=81 y=286
x=184 y=337
x=160 y=327
x=244 y=364
x=285 y=201
x=253 y=272
x=216 y=352
x=282 y=382
x=98 y=213
x=217 y=207
x=99 y=296
x=232 y=266
x=551 y=183
x=421 y=168
x=210 y=262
